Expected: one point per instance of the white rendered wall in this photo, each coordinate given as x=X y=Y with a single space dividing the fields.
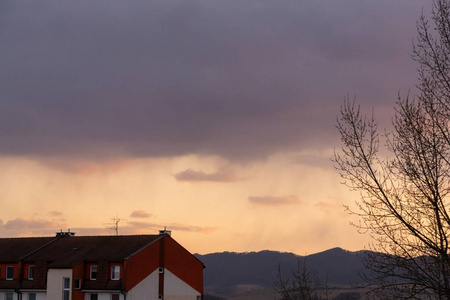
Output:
x=177 y=289
x=102 y=296
x=55 y=283
x=3 y=295
x=175 y=297
x=39 y=295
x=146 y=289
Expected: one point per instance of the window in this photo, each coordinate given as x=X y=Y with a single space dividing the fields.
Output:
x=93 y=272
x=115 y=272
x=9 y=296
x=66 y=288
x=32 y=296
x=30 y=272
x=9 y=273
x=94 y=297
x=115 y=296
x=77 y=283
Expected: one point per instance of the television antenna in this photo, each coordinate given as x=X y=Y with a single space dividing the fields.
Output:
x=114 y=225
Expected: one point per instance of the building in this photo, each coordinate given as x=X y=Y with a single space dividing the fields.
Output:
x=127 y=267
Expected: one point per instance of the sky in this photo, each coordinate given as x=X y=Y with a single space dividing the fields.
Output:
x=213 y=118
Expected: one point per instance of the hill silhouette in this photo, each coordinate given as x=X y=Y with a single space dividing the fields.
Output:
x=227 y=270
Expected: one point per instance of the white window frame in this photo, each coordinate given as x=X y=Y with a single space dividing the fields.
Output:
x=31 y=273
x=9 y=268
x=91 y=271
x=77 y=283
x=115 y=272
x=66 y=289
x=9 y=296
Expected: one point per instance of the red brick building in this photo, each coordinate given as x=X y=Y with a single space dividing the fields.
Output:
x=73 y=267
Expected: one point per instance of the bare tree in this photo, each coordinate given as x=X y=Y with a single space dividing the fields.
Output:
x=404 y=194
x=301 y=285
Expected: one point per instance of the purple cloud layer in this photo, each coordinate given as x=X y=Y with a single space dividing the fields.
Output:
x=238 y=79
x=24 y=227
x=223 y=175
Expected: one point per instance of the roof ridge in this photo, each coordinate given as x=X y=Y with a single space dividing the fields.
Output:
x=40 y=248
x=111 y=235
x=26 y=237
x=76 y=236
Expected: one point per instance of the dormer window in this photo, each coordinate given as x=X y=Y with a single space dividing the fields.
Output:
x=30 y=272
x=93 y=272
x=9 y=273
x=115 y=272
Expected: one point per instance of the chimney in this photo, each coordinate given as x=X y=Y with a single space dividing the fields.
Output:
x=64 y=234
x=165 y=231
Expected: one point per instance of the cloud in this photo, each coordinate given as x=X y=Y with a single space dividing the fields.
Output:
x=80 y=231
x=56 y=216
x=318 y=160
x=241 y=80
x=153 y=227
x=190 y=228
x=85 y=166
x=40 y=227
x=223 y=175
x=328 y=207
x=140 y=214
x=274 y=201
x=55 y=213
x=19 y=223
x=30 y=227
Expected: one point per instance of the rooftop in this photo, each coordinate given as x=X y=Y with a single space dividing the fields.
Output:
x=67 y=251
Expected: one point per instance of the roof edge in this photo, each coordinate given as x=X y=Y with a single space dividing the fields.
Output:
x=145 y=246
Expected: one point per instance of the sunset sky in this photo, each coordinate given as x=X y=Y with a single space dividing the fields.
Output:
x=214 y=118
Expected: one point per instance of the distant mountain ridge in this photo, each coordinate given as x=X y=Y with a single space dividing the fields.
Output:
x=227 y=270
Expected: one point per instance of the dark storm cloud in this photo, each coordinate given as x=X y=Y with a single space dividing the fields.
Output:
x=239 y=79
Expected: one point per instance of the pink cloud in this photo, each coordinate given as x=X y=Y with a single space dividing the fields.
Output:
x=271 y=200
x=29 y=224
x=55 y=213
x=31 y=227
x=152 y=227
x=140 y=214
x=326 y=206
x=223 y=175
x=40 y=227
x=93 y=231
